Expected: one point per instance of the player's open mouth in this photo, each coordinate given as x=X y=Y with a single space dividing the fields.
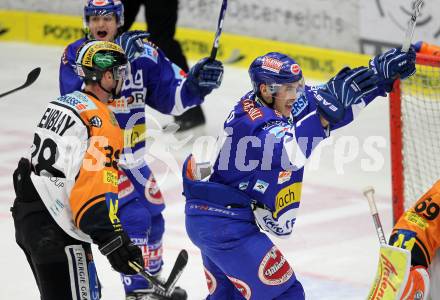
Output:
x=101 y=34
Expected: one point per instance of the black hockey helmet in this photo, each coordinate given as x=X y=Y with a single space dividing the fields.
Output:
x=93 y=58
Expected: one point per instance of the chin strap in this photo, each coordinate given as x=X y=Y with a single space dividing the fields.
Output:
x=263 y=102
x=112 y=91
x=100 y=85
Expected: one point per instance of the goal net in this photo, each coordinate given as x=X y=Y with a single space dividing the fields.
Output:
x=415 y=133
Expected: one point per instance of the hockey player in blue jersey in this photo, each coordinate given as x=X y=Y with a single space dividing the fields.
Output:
x=256 y=177
x=160 y=84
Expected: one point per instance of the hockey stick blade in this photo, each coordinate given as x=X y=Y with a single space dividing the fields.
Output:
x=32 y=76
x=218 y=33
x=417 y=8
x=161 y=288
x=150 y=278
x=176 y=272
x=369 y=194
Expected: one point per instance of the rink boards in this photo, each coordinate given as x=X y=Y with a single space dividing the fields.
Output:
x=52 y=29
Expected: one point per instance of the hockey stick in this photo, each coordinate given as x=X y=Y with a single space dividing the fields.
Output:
x=167 y=288
x=218 y=33
x=176 y=272
x=149 y=277
x=394 y=262
x=417 y=7
x=32 y=76
x=369 y=194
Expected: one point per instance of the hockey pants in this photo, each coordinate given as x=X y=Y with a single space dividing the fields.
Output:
x=240 y=261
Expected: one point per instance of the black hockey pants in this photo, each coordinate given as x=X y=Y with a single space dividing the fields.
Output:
x=62 y=266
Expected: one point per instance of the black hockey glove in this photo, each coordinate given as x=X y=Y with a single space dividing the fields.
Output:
x=349 y=86
x=132 y=43
x=119 y=251
x=393 y=64
x=23 y=186
x=205 y=75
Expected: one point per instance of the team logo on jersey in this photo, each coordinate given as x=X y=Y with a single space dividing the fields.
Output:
x=243 y=185
x=274 y=268
x=279 y=131
x=272 y=64
x=125 y=187
x=295 y=69
x=210 y=281
x=261 y=186
x=284 y=176
x=95 y=121
x=152 y=191
x=242 y=287
x=286 y=197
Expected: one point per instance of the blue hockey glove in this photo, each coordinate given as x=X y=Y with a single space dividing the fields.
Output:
x=349 y=86
x=393 y=64
x=132 y=43
x=329 y=107
x=206 y=75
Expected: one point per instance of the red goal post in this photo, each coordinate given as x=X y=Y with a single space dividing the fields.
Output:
x=415 y=133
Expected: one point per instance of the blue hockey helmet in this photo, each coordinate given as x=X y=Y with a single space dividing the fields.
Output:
x=274 y=69
x=102 y=8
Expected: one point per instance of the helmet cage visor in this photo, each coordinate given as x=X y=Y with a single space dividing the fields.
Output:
x=291 y=88
x=120 y=72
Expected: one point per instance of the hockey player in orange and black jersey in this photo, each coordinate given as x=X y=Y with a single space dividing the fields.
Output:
x=67 y=190
x=418 y=230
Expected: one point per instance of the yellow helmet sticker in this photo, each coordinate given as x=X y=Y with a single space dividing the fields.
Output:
x=96 y=47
